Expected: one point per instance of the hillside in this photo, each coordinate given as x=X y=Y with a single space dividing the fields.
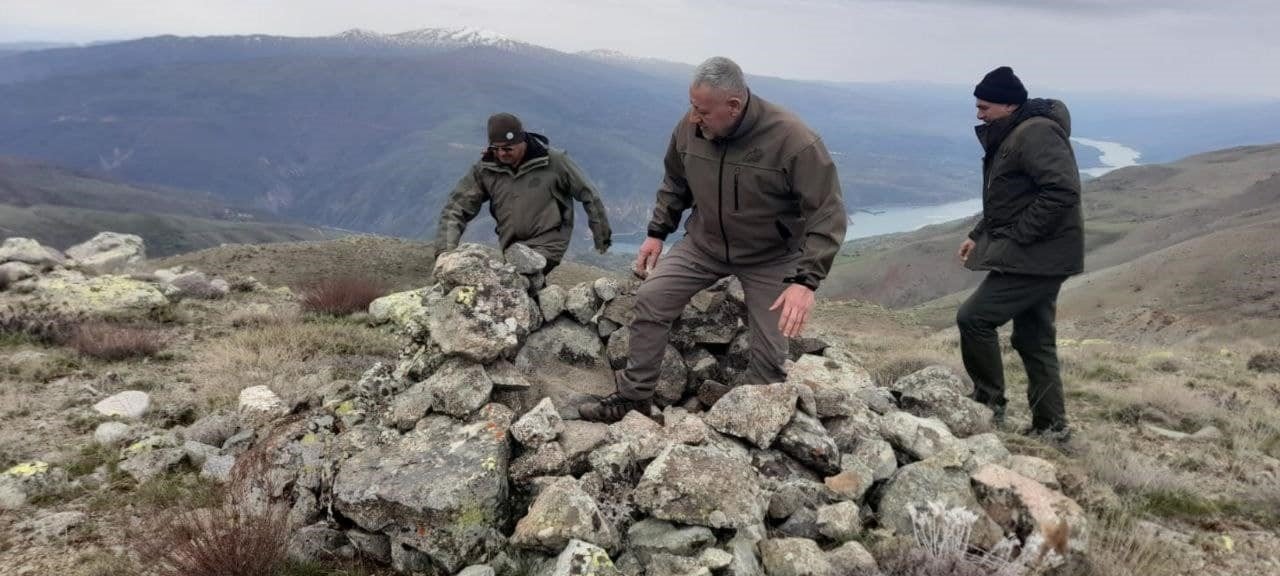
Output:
x=62 y=207
x=1187 y=239
x=370 y=132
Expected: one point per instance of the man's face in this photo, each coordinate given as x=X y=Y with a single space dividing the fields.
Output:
x=989 y=112
x=713 y=110
x=509 y=153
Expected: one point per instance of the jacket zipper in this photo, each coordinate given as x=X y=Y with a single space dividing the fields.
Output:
x=720 y=200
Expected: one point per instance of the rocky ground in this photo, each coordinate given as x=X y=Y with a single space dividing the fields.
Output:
x=438 y=434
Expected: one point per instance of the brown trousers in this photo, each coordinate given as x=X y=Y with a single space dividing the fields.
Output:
x=680 y=274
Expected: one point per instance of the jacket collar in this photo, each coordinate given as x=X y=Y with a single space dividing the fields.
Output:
x=751 y=113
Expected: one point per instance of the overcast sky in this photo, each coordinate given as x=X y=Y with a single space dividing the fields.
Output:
x=1188 y=48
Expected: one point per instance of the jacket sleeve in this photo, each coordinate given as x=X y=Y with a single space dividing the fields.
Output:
x=1048 y=159
x=674 y=196
x=582 y=190
x=813 y=178
x=978 y=228
x=464 y=203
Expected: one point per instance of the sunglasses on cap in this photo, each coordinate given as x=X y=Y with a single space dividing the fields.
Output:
x=507 y=148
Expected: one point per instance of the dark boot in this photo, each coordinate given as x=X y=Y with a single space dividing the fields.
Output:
x=613 y=408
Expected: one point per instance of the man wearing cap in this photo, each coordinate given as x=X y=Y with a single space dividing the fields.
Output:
x=765 y=206
x=1029 y=239
x=530 y=188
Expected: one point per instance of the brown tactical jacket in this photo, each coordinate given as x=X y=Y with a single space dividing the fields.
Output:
x=768 y=190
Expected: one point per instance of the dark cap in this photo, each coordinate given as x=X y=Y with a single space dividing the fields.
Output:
x=505 y=128
x=1001 y=86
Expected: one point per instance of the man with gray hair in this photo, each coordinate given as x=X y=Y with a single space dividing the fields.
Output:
x=765 y=206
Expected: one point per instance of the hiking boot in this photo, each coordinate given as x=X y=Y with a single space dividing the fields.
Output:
x=998 y=420
x=1059 y=438
x=613 y=407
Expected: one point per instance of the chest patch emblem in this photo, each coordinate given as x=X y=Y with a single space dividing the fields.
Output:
x=535 y=181
x=755 y=155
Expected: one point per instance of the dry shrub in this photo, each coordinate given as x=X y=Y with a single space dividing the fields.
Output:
x=113 y=342
x=231 y=540
x=942 y=547
x=36 y=327
x=342 y=295
x=1265 y=362
x=255 y=316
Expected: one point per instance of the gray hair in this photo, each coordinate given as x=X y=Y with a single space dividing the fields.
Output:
x=722 y=74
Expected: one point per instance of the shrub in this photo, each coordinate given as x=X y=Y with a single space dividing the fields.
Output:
x=1267 y=362
x=113 y=342
x=343 y=295
x=231 y=540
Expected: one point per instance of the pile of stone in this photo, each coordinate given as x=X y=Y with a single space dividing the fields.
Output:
x=468 y=457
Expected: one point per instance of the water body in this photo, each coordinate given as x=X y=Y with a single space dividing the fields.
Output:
x=1114 y=155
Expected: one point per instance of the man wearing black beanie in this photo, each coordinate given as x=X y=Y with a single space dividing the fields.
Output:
x=1029 y=240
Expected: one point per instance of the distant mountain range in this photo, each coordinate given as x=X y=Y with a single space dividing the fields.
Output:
x=370 y=132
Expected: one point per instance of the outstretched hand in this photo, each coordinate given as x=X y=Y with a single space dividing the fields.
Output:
x=796 y=302
x=650 y=251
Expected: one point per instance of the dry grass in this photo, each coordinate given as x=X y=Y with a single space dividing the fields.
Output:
x=1267 y=362
x=278 y=355
x=262 y=315
x=1130 y=472
x=1118 y=547
x=342 y=295
x=231 y=540
x=115 y=342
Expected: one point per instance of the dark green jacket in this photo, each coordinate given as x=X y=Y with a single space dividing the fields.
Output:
x=532 y=204
x=1031 y=218
x=768 y=190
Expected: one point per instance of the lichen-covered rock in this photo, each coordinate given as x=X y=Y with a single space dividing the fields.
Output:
x=938 y=393
x=28 y=251
x=650 y=535
x=1027 y=507
x=439 y=489
x=793 y=557
x=583 y=559
x=399 y=308
x=700 y=486
x=916 y=485
x=552 y=300
x=918 y=437
x=538 y=426
x=109 y=252
x=673 y=380
x=526 y=260
x=481 y=322
x=838 y=388
x=562 y=512
x=69 y=293
x=131 y=404
x=807 y=441
x=840 y=521
x=755 y=413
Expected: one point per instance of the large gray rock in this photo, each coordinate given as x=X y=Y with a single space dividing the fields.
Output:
x=916 y=485
x=852 y=558
x=538 y=426
x=582 y=303
x=110 y=434
x=646 y=438
x=213 y=429
x=150 y=463
x=877 y=455
x=459 y=388
x=794 y=494
x=839 y=388
x=793 y=557
x=109 y=252
x=564 y=361
x=701 y=486
x=70 y=293
x=651 y=535
x=807 y=441
x=938 y=393
x=607 y=288
x=49 y=527
x=619 y=348
x=755 y=413
x=583 y=559
x=840 y=521
x=580 y=437
x=29 y=251
x=673 y=380
x=474 y=265
x=712 y=316
x=439 y=489
x=481 y=322
x=552 y=299
x=547 y=460
x=563 y=512
x=918 y=437
x=195 y=285
x=525 y=259
x=316 y=543
x=11 y=272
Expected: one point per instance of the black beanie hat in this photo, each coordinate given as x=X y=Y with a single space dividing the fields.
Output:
x=505 y=129
x=1001 y=86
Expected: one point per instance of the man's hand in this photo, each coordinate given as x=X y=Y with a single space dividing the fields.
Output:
x=650 y=251
x=965 y=248
x=796 y=302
